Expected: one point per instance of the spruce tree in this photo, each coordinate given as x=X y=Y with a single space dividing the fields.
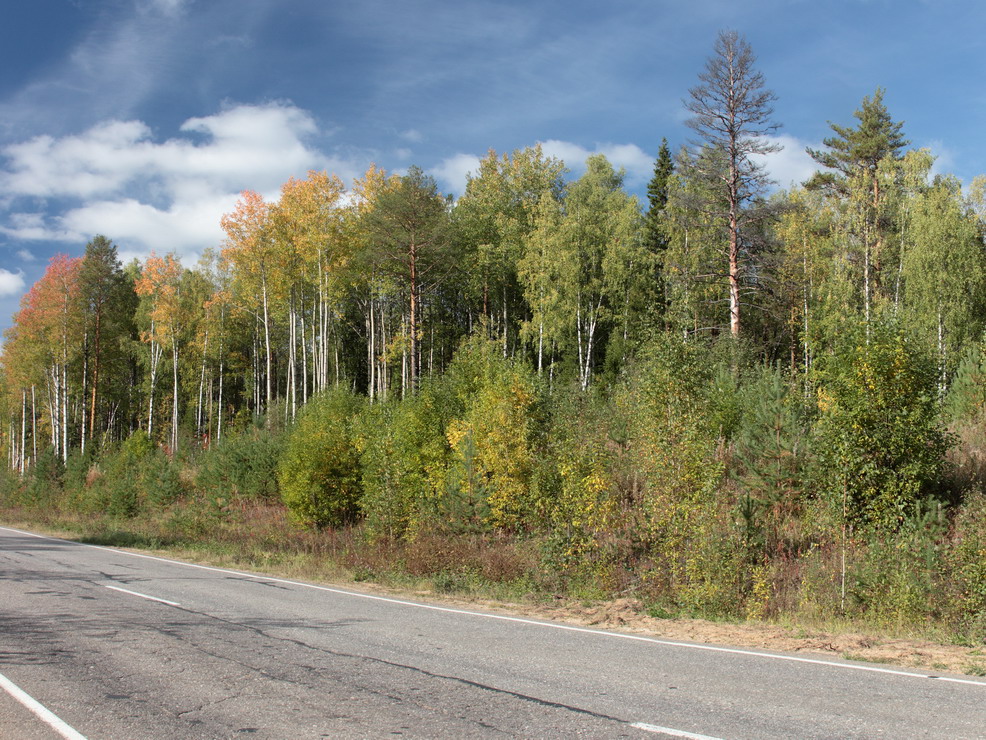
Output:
x=657 y=196
x=655 y=229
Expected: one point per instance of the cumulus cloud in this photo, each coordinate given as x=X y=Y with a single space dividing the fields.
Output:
x=25 y=256
x=453 y=171
x=116 y=179
x=790 y=166
x=638 y=164
x=243 y=145
x=944 y=157
x=11 y=283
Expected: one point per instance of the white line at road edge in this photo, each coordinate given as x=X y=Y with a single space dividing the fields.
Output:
x=521 y=620
x=673 y=733
x=40 y=710
x=143 y=596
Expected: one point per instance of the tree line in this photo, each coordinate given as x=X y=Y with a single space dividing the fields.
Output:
x=375 y=287
x=777 y=371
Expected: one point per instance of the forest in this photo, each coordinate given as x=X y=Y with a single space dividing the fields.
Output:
x=727 y=400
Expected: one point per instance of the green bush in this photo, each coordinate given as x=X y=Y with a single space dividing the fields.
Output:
x=966 y=397
x=43 y=482
x=880 y=442
x=966 y=566
x=492 y=438
x=404 y=458
x=770 y=459
x=696 y=558
x=319 y=473
x=123 y=480
x=241 y=465
x=896 y=580
x=578 y=477
x=9 y=486
x=160 y=479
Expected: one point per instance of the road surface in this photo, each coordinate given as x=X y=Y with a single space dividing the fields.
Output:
x=111 y=644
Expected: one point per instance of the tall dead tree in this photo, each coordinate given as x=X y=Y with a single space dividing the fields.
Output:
x=732 y=114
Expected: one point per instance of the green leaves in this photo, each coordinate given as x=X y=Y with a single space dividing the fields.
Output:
x=881 y=446
x=319 y=473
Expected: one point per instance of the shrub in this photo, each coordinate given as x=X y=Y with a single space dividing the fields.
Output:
x=43 y=481
x=122 y=480
x=403 y=458
x=696 y=558
x=577 y=477
x=160 y=479
x=491 y=440
x=896 y=581
x=241 y=465
x=966 y=397
x=319 y=469
x=881 y=445
x=966 y=559
x=770 y=456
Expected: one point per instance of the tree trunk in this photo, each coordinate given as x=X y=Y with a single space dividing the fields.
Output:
x=413 y=318
x=174 y=389
x=734 y=293
x=267 y=347
x=95 y=376
x=198 y=410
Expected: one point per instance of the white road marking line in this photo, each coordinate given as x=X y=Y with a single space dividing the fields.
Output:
x=143 y=596
x=669 y=731
x=522 y=620
x=40 y=710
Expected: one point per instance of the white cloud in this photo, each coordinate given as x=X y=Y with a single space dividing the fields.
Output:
x=638 y=164
x=25 y=256
x=11 y=283
x=246 y=146
x=452 y=171
x=792 y=165
x=412 y=135
x=166 y=196
x=944 y=157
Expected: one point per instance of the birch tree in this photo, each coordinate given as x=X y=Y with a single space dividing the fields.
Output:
x=251 y=250
x=160 y=283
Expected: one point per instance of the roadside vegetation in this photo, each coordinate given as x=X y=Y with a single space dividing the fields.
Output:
x=732 y=404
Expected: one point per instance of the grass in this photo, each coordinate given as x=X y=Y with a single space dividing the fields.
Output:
x=259 y=536
x=862 y=658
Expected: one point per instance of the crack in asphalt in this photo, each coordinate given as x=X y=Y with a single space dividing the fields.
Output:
x=380 y=661
x=301 y=675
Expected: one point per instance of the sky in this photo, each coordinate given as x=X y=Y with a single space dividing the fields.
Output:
x=143 y=120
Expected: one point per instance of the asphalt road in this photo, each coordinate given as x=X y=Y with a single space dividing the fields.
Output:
x=115 y=644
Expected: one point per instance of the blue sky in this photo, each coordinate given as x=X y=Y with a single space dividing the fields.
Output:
x=143 y=119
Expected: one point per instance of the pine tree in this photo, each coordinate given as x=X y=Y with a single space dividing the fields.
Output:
x=861 y=148
x=732 y=114
x=410 y=239
x=861 y=163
